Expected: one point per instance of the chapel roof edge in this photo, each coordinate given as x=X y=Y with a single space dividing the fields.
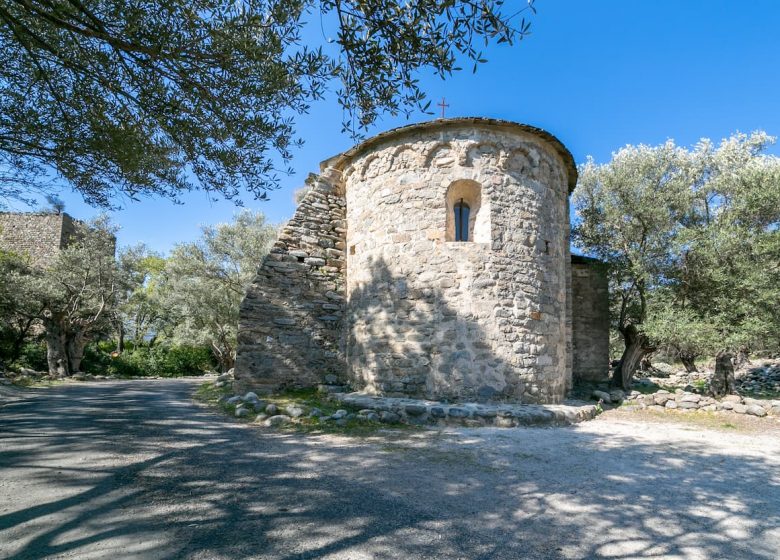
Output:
x=571 y=168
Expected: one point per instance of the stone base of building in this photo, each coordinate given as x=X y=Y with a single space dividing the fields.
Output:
x=421 y=412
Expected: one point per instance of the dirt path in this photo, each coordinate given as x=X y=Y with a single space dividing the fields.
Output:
x=136 y=470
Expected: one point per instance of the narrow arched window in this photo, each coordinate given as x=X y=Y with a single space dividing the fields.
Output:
x=461 y=210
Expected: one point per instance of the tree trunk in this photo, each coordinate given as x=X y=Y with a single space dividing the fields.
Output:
x=24 y=326
x=56 y=350
x=76 y=342
x=646 y=364
x=637 y=346
x=742 y=357
x=688 y=360
x=120 y=338
x=722 y=382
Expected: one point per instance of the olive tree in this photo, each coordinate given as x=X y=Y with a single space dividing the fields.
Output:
x=157 y=97
x=628 y=213
x=77 y=294
x=692 y=237
x=19 y=308
x=205 y=281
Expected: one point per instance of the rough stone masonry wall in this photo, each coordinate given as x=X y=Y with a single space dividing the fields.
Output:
x=590 y=307
x=448 y=320
x=290 y=326
x=40 y=236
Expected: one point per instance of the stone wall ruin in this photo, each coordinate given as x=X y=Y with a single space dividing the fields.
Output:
x=40 y=236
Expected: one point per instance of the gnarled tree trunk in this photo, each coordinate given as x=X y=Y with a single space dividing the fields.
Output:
x=742 y=357
x=688 y=360
x=56 y=346
x=637 y=346
x=722 y=382
x=76 y=341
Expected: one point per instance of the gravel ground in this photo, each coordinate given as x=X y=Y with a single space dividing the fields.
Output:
x=135 y=469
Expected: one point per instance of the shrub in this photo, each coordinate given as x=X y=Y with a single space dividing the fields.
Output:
x=165 y=361
x=32 y=356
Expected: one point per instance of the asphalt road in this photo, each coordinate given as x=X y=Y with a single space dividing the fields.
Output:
x=135 y=469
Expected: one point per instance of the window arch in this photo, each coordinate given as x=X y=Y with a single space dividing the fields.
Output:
x=468 y=218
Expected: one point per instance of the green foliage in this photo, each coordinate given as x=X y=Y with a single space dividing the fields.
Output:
x=140 y=313
x=204 y=282
x=161 y=96
x=75 y=298
x=692 y=238
x=163 y=361
x=700 y=385
x=31 y=356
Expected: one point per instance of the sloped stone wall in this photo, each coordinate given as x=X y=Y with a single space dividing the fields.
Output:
x=291 y=319
x=590 y=325
x=39 y=235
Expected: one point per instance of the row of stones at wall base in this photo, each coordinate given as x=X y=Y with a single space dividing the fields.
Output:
x=422 y=412
x=691 y=402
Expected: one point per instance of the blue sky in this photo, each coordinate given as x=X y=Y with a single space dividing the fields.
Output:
x=598 y=75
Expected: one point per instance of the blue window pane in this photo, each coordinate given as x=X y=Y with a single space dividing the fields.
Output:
x=461 y=221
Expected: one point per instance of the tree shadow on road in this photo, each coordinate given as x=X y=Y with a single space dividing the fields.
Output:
x=135 y=470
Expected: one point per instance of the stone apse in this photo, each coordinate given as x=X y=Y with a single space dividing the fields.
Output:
x=431 y=261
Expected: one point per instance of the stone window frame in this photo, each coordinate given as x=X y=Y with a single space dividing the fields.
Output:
x=471 y=193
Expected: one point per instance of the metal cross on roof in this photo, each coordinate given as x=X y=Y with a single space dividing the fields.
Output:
x=443 y=105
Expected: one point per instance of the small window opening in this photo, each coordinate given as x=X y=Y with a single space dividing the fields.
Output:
x=300 y=259
x=461 y=210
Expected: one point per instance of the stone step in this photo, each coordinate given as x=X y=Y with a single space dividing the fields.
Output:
x=422 y=412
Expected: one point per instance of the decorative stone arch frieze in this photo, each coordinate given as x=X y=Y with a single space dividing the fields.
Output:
x=486 y=154
x=441 y=154
x=405 y=156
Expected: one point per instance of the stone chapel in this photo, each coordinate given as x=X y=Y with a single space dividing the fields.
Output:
x=431 y=261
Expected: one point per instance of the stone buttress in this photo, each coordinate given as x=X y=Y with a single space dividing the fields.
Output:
x=290 y=331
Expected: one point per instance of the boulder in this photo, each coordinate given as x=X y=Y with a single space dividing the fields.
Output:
x=271 y=409
x=415 y=409
x=756 y=410
x=660 y=398
x=389 y=417
x=242 y=411
x=277 y=420
x=455 y=412
x=601 y=396
x=687 y=405
x=295 y=411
